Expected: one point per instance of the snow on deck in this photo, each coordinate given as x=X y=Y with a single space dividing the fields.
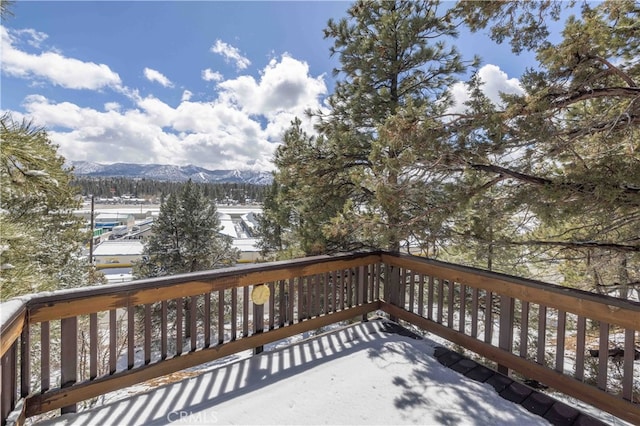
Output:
x=361 y=374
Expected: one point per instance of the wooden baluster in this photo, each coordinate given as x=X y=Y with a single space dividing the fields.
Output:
x=282 y=306
x=488 y=317
x=475 y=302
x=451 y=296
x=430 y=297
x=627 y=368
x=505 y=338
x=193 y=322
x=221 y=317
x=402 y=302
x=311 y=283
x=542 y=334
x=357 y=290
x=342 y=289
x=130 y=337
x=377 y=273
x=371 y=274
x=234 y=313
x=326 y=291
x=113 y=340
x=350 y=289
x=317 y=305
x=439 y=314
x=334 y=291
x=147 y=333
x=291 y=300
x=272 y=305
x=164 y=324
x=8 y=368
x=68 y=357
x=412 y=291
x=207 y=320
x=524 y=329
x=462 y=320
x=179 y=326
x=580 y=347
x=245 y=311
x=300 y=298
x=363 y=283
x=93 y=345
x=45 y=370
x=560 y=341
x=25 y=361
x=421 y=295
x=258 y=323
x=603 y=359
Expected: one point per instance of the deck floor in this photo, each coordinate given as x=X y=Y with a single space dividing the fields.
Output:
x=362 y=374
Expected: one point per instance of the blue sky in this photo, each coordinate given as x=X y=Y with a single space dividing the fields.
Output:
x=212 y=84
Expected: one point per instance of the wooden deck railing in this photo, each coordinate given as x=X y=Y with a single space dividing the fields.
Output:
x=65 y=347
x=540 y=331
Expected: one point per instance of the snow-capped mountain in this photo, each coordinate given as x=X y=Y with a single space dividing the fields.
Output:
x=169 y=173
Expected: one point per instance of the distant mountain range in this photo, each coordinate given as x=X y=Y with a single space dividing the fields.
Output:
x=169 y=173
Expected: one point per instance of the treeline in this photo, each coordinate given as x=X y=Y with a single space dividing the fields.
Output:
x=154 y=190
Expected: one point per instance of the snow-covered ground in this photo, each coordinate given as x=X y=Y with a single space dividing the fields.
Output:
x=361 y=374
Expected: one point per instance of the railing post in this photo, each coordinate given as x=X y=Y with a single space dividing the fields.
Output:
x=392 y=286
x=8 y=380
x=505 y=339
x=68 y=357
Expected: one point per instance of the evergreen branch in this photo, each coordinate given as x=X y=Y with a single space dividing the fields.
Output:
x=566 y=99
x=626 y=248
x=536 y=180
x=617 y=71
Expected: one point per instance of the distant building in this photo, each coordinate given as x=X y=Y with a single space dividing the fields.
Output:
x=109 y=221
x=117 y=254
x=249 y=251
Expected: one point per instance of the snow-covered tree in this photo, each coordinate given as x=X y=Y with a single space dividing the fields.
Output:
x=40 y=238
x=186 y=237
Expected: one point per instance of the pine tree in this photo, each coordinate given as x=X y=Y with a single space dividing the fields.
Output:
x=354 y=184
x=186 y=237
x=40 y=238
x=567 y=149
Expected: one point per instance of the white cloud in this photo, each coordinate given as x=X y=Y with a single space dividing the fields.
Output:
x=158 y=77
x=495 y=81
x=283 y=86
x=186 y=95
x=210 y=75
x=33 y=38
x=112 y=106
x=53 y=67
x=230 y=53
x=238 y=129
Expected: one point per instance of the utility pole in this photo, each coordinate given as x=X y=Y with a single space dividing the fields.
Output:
x=91 y=231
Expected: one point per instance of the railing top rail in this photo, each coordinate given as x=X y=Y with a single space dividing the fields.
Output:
x=232 y=271
x=541 y=285
x=612 y=310
x=123 y=290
